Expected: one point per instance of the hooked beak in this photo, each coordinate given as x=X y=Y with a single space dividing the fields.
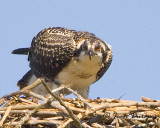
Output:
x=90 y=53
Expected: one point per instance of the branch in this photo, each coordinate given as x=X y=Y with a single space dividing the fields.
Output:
x=5 y=115
x=75 y=119
x=25 y=118
x=80 y=97
x=65 y=123
x=39 y=113
x=136 y=103
x=36 y=83
x=2 y=101
x=30 y=93
x=145 y=99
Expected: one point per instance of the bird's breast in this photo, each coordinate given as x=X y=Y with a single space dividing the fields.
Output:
x=79 y=74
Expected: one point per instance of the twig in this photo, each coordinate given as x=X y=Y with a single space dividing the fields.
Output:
x=25 y=118
x=30 y=93
x=36 y=83
x=58 y=89
x=54 y=118
x=76 y=120
x=122 y=96
x=80 y=97
x=39 y=113
x=86 y=125
x=45 y=122
x=5 y=115
x=95 y=119
x=36 y=122
x=96 y=125
x=65 y=123
x=26 y=101
x=145 y=99
x=77 y=110
x=104 y=100
x=2 y=101
x=12 y=94
x=59 y=107
x=15 y=111
x=147 y=104
x=31 y=106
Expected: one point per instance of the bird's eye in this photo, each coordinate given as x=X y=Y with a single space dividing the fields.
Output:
x=98 y=48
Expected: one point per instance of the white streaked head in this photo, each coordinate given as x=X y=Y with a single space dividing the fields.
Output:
x=91 y=49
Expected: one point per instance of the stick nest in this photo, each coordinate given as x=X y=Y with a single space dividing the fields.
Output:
x=25 y=109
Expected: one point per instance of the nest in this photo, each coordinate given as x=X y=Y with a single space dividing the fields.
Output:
x=25 y=109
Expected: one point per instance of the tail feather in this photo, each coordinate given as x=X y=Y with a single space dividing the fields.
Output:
x=25 y=81
x=21 y=51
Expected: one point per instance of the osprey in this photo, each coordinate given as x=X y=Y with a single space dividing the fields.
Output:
x=63 y=56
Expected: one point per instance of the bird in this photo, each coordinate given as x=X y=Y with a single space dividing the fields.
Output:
x=76 y=59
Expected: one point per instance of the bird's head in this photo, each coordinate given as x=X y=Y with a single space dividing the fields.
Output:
x=93 y=50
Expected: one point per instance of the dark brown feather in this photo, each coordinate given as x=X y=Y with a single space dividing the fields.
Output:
x=25 y=80
x=107 y=63
x=50 y=51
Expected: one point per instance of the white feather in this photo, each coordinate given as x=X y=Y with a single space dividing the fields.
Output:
x=40 y=89
x=79 y=75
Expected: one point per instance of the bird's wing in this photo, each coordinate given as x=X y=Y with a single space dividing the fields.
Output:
x=50 y=51
x=107 y=63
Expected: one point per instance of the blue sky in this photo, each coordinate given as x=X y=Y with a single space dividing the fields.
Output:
x=132 y=27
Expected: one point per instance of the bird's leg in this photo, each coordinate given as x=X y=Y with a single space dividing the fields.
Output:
x=83 y=92
x=56 y=85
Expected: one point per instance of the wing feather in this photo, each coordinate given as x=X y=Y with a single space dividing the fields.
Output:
x=107 y=63
x=50 y=51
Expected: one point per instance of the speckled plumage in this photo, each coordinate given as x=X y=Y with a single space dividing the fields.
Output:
x=67 y=56
x=50 y=51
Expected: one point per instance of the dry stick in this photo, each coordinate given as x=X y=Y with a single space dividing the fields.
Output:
x=104 y=100
x=147 y=104
x=16 y=111
x=54 y=118
x=96 y=125
x=5 y=115
x=25 y=118
x=36 y=122
x=36 y=83
x=79 y=96
x=44 y=122
x=30 y=93
x=65 y=123
x=75 y=119
x=78 y=110
x=20 y=107
x=58 y=89
x=39 y=113
x=86 y=125
x=12 y=94
x=59 y=107
x=145 y=99
x=26 y=101
x=2 y=101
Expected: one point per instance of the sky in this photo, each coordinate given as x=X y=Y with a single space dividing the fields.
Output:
x=131 y=27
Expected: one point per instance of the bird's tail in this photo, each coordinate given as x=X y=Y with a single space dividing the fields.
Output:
x=26 y=80
x=21 y=51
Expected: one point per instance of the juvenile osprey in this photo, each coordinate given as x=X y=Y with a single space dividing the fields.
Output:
x=64 y=56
